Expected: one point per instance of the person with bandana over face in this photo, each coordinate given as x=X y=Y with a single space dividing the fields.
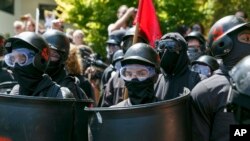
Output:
x=228 y=39
x=59 y=50
x=140 y=68
x=176 y=74
x=28 y=56
x=115 y=90
x=196 y=45
x=113 y=45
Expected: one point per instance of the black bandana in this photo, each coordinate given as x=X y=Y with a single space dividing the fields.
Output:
x=141 y=92
x=28 y=78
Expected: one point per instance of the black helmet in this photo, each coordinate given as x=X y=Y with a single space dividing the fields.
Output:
x=127 y=40
x=219 y=43
x=207 y=60
x=59 y=41
x=35 y=42
x=141 y=52
x=118 y=55
x=116 y=36
x=131 y=32
x=113 y=40
x=197 y=35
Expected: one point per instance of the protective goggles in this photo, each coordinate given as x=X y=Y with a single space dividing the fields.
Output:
x=168 y=44
x=22 y=56
x=201 y=69
x=136 y=72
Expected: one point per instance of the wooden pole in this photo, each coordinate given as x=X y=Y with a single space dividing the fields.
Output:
x=37 y=21
x=135 y=39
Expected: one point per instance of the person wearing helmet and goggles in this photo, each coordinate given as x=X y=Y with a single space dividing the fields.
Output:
x=140 y=69
x=176 y=74
x=228 y=40
x=28 y=57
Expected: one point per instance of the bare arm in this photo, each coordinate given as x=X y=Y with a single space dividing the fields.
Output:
x=123 y=20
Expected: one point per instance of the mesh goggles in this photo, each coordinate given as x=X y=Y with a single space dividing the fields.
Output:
x=136 y=71
x=168 y=44
x=201 y=69
x=22 y=56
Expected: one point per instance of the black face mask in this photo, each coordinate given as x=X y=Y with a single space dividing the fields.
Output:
x=27 y=76
x=169 y=61
x=127 y=43
x=53 y=68
x=193 y=54
x=141 y=92
x=239 y=51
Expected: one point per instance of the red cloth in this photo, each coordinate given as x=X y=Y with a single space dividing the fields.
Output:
x=148 y=21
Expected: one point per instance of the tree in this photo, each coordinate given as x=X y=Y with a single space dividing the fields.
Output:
x=91 y=16
x=94 y=16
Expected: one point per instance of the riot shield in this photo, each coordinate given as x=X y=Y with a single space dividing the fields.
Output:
x=161 y=121
x=28 y=118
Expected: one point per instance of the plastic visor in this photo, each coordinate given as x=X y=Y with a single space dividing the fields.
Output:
x=136 y=71
x=22 y=56
x=201 y=69
x=241 y=80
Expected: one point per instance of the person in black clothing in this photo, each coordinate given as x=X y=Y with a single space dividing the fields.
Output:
x=7 y=80
x=28 y=55
x=115 y=90
x=176 y=74
x=59 y=49
x=196 y=45
x=5 y=73
x=140 y=68
x=113 y=45
x=228 y=39
x=239 y=95
x=111 y=70
x=205 y=65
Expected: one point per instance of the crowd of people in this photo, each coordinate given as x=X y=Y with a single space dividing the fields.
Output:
x=53 y=63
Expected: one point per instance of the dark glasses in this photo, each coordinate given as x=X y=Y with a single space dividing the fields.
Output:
x=168 y=44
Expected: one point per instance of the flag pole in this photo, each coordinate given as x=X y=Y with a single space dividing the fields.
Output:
x=135 y=38
x=37 y=21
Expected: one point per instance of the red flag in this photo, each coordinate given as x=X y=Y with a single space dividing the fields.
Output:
x=148 y=21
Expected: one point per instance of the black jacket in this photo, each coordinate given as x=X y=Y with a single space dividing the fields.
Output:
x=85 y=85
x=171 y=86
x=70 y=82
x=168 y=87
x=210 y=122
x=45 y=88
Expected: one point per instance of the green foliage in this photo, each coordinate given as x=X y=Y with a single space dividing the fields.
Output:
x=229 y=7
x=94 y=16
x=173 y=13
x=91 y=16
